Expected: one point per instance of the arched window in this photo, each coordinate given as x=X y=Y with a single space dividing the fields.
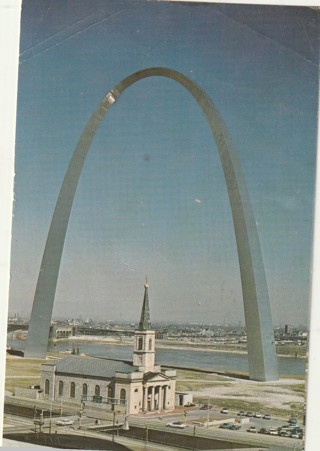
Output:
x=46 y=386
x=97 y=390
x=84 y=389
x=72 y=390
x=140 y=343
x=150 y=344
x=110 y=393
x=122 y=396
x=60 y=388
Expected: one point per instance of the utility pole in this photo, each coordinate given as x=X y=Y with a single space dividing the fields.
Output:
x=147 y=437
x=50 y=423
x=194 y=438
x=41 y=421
x=113 y=425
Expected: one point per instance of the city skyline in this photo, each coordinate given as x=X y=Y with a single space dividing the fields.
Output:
x=95 y=319
x=149 y=202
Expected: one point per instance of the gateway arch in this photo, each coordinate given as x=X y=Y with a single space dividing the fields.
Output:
x=262 y=358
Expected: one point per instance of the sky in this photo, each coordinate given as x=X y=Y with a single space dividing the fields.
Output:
x=152 y=199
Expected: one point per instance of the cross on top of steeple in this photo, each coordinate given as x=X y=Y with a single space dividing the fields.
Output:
x=145 y=323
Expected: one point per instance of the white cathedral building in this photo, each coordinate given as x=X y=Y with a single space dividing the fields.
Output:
x=135 y=387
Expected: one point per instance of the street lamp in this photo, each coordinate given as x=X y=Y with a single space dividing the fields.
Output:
x=185 y=413
x=208 y=413
x=38 y=422
x=82 y=406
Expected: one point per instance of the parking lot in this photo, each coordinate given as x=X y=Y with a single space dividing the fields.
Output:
x=241 y=421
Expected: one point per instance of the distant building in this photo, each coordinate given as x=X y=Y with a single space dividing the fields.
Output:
x=61 y=332
x=132 y=387
x=288 y=329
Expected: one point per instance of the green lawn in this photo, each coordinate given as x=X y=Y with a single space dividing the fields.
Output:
x=21 y=372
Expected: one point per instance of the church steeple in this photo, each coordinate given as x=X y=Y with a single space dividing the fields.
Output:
x=144 y=345
x=145 y=323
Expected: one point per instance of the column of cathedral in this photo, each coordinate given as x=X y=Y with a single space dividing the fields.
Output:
x=154 y=393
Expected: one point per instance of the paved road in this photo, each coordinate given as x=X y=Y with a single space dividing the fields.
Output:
x=158 y=422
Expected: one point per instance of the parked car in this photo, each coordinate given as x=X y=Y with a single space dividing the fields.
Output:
x=298 y=431
x=252 y=429
x=206 y=407
x=273 y=431
x=295 y=435
x=267 y=416
x=224 y=410
x=249 y=414
x=292 y=420
x=64 y=422
x=257 y=415
x=224 y=426
x=234 y=427
x=241 y=413
x=285 y=433
x=177 y=424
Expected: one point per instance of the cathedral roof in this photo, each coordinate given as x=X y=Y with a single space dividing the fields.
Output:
x=145 y=323
x=92 y=366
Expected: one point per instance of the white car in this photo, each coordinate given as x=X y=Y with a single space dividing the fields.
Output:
x=273 y=431
x=224 y=410
x=177 y=424
x=295 y=435
x=64 y=422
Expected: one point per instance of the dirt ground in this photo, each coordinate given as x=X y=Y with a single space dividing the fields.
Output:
x=271 y=394
x=284 y=397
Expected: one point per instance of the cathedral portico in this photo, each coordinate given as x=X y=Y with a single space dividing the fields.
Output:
x=158 y=391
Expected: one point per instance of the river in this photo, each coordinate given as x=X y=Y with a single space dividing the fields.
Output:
x=225 y=361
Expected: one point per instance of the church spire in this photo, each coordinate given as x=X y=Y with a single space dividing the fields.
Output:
x=145 y=323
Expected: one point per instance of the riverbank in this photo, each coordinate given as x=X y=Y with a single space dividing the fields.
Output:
x=293 y=351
